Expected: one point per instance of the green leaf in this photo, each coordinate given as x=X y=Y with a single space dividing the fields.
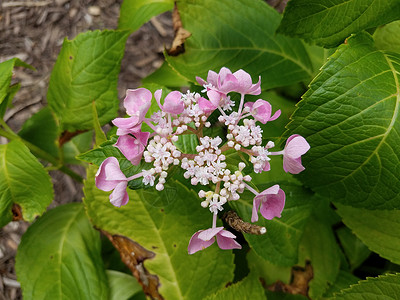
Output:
x=187 y=143
x=99 y=134
x=134 y=13
x=387 y=37
x=166 y=232
x=328 y=23
x=166 y=76
x=87 y=70
x=7 y=92
x=7 y=101
x=248 y=288
x=77 y=145
x=122 y=286
x=42 y=131
x=59 y=257
x=269 y=272
x=220 y=37
x=318 y=245
x=381 y=287
x=6 y=69
x=378 y=229
x=355 y=250
x=280 y=244
x=343 y=280
x=350 y=117
x=23 y=181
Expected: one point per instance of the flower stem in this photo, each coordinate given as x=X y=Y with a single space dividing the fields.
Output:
x=251 y=189
x=214 y=222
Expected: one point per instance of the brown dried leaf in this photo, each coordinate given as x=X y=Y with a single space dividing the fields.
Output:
x=299 y=282
x=133 y=255
x=181 y=34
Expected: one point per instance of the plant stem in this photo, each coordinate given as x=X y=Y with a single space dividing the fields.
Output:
x=9 y=134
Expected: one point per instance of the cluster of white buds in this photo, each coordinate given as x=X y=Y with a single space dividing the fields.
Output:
x=182 y=114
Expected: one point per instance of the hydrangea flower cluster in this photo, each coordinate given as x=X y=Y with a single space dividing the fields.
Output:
x=188 y=113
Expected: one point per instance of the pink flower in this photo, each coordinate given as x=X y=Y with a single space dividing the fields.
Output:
x=110 y=177
x=272 y=202
x=223 y=82
x=261 y=111
x=132 y=147
x=205 y=238
x=173 y=103
x=295 y=147
x=206 y=106
x=137 y=103
x=244 y=83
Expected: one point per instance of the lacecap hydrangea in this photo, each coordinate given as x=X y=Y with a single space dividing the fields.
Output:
x=188 y=113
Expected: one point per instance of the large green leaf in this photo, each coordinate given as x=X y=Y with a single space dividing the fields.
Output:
x=42 y=131
x=350 y=117
x=356 y=251
x=387 y=37
x=166 y=232
x=343 y=281
x=318 y=245
x=280 y=244
x=23 y=181
x=6 y=91
x=382 y=287
x=59 y=257
x=378 y=229
x=239 y=36
x=248 y=288
x=134 y=13
x=87 y=70
x=122 y=286
x=165 y=76
x=329 y=22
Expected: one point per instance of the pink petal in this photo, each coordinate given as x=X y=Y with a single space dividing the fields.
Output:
x=267 y=166
x=244 y=81
x=292 y=165
x=132 y=148
x=296 y=146
x=228 y=84
x=137 y=102
x=272 y=203
x=261 y=111
x=102 y=182
x=208 y=234
x=225 y=240
x=255 y=88
x=212 y=78
x=256 y=205
x=120 y=196
x=126 y=122
x=113 y=171
x=200 y=81
x=249 y=105
x=205 y=105
x=215 y=97
x=173 y=103
x=196 y=244
x=276 y=115
x=157 y=96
